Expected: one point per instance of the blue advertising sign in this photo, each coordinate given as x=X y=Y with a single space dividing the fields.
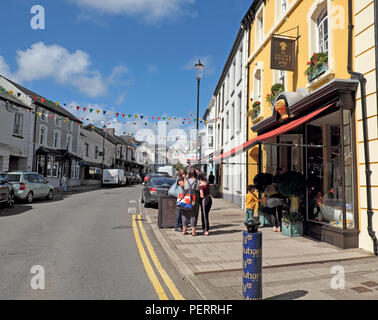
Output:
x=252 y=266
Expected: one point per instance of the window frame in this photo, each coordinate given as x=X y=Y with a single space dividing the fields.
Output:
x=44 y=136
x=21 y=124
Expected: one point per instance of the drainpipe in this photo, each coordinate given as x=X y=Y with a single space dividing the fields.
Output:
x=362 y=80
x=376 y=46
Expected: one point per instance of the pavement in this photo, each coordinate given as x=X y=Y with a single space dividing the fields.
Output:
x=293 y=268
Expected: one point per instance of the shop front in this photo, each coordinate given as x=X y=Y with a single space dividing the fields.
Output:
x=318 y=140
x=53 y=164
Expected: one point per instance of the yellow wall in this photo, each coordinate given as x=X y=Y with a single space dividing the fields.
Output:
x=296 y=15
x=364 y=62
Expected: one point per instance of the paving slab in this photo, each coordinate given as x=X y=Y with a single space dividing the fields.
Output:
x=293 y=268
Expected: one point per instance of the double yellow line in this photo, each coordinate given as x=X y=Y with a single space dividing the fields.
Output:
x=148 y=266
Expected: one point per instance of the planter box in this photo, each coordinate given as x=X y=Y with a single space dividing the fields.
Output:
x=292 y=229
x=322 y=68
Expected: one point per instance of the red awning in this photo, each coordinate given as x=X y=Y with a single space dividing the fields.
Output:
x=272 y=134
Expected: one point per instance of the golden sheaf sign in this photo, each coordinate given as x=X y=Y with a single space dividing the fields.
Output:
x=282 y=54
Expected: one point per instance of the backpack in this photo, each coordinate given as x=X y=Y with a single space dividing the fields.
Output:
x=187 y=200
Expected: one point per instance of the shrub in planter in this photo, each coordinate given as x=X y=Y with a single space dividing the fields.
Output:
x=292 y=185
x=317 y=65
x=262 y=180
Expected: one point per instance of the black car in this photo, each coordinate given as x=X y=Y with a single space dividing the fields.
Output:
x=6 y=193
x=154 y=187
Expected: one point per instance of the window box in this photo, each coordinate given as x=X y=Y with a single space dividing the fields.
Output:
x=319 y=70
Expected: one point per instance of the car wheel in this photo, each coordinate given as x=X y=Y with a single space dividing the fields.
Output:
x=11 y=200
x=29 y=197
x=50 y=195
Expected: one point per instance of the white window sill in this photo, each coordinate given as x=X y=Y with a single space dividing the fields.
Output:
x=330 y=74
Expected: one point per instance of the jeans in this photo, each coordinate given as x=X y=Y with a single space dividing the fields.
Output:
x=249 y=215
x=277 y=216
x=178 y=219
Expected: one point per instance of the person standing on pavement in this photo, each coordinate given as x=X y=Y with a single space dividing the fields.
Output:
x=181 y=177
x=251 y=201
x=206 y=203
x=191 y=215
x=211 y=178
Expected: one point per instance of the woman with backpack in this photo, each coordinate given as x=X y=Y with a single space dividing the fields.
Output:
x=191 y=187
x=206 y=203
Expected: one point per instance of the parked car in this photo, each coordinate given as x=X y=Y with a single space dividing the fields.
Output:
x=6 y=193
x=28 y=186
x=114 y=177
x=155 y=186
x=156 y=174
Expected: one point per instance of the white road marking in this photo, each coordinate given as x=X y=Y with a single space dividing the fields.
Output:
x=132 y=210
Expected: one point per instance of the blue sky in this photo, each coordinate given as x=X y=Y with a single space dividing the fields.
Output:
x=128 y=56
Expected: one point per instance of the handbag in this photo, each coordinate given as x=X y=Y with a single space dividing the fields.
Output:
x=175 y=190
x=186 y=200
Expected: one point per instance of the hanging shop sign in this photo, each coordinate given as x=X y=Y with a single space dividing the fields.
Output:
x=282 y=54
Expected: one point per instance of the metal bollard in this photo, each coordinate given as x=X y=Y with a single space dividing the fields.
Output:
x=252 y=262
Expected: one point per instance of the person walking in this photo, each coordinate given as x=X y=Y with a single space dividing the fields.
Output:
x=63 y=183
x=206 y=203
x=191 y=185
x=181 y=177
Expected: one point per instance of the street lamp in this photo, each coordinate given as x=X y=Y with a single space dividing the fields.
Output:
x=199 y=67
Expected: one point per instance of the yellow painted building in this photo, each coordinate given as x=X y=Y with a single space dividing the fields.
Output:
x=322 y=136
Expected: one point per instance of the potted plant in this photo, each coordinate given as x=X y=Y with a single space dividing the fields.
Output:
x=292 y=185
x=276 y=89
x=255 y=111
x=261 y=181
x=317 y=65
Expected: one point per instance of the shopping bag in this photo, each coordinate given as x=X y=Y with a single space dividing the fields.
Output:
x=186 y=200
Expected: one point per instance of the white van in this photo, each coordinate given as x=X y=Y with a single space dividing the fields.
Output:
x=114 y=177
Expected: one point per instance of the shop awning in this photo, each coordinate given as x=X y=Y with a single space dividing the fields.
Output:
x=272 y=134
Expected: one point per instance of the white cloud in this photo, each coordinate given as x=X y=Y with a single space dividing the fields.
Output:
x=4 y=68
x=41 y=62
x=151 y=10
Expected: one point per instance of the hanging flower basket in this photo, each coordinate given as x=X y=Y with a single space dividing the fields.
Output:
x=276 y=89
x=317 y=65
x=255 y=111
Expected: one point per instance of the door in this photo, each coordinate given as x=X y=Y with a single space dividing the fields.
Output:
x=31 y=182
x=43 y=185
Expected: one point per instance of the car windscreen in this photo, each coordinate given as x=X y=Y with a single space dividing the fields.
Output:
x=11 y=177
x=162 y=182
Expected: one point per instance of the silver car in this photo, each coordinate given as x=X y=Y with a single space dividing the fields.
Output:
x=28 y=186
x=6 y=193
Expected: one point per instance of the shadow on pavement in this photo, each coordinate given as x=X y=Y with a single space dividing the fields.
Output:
x=289 y=295
x=16 y=210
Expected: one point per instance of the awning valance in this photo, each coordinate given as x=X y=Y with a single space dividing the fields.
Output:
x=272 y=134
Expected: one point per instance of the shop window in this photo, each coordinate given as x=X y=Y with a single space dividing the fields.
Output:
x=55 y=170
x=41 y=164
x=50 y=164
x=329 y=187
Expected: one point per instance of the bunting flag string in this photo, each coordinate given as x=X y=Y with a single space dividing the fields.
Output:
x=118 y=115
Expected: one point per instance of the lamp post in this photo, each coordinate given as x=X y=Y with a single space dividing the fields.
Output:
x=103 y=150
x=199 y=67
